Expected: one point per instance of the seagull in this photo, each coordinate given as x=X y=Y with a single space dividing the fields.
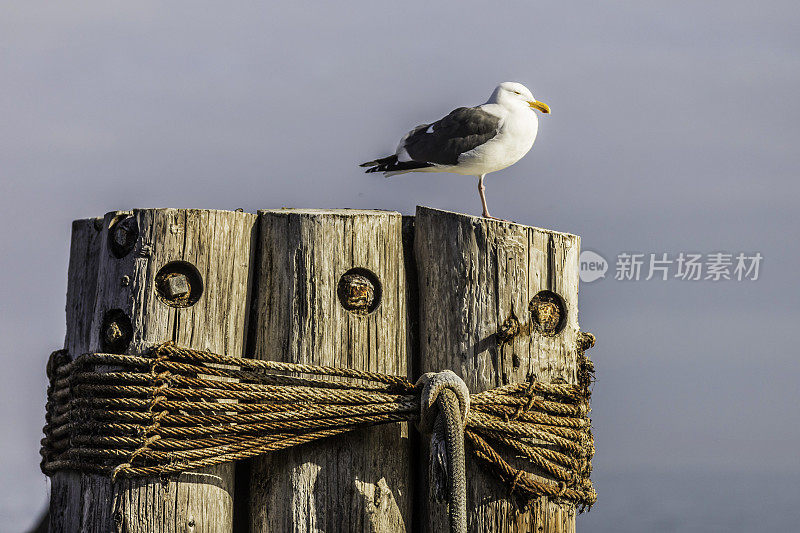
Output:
x=472 y=141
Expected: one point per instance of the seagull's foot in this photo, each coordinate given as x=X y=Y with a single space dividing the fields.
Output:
x=487 y=215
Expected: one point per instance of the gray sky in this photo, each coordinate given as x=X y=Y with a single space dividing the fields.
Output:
x=674 y=128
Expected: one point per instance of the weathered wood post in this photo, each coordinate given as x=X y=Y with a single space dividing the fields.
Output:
x=137 y=279
x=330 y=290
x=475 y=274
x=329 y=287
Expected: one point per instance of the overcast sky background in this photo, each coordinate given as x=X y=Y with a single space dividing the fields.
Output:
x=674 y=128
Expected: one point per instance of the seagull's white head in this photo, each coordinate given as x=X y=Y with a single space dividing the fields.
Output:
x=513 y=94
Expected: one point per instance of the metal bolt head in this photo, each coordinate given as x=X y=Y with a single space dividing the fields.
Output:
x=548 y=312
x=116 y=331
x=176 y=286
x=112 y=332
x=179 y=284
x=547 y=315
x=120 y=234
x=357 y=293
x=123 y=233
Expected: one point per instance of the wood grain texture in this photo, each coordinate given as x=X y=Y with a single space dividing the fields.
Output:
x=359 y=481
x=218 y=244
x=84 y=256
x=473 y=274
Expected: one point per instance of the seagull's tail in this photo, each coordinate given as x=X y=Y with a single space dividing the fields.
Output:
x=391 y=166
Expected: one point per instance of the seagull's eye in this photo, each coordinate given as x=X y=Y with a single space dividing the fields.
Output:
x=517 y=92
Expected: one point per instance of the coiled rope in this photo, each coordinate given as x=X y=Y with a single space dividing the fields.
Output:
x=174 y=409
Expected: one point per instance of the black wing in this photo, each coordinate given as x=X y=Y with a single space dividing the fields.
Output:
x=459 y=132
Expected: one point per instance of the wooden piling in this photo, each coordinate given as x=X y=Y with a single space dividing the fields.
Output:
x=331 y=290
x=474 y=275
x=66 y=497
x=140 y=278
x=494 y=301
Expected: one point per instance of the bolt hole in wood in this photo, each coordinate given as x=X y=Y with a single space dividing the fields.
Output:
x=179 y=284
x=123 y=232
x=359 y=291
x=548 y=313
x=116 y=331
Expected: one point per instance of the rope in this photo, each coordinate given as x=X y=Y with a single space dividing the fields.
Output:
x=174 y=409
x=444 y=408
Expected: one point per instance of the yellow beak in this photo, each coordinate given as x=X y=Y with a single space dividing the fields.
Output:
x=541 y=106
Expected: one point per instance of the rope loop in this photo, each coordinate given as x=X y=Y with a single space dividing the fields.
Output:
x=432 y=384
x=444 y=411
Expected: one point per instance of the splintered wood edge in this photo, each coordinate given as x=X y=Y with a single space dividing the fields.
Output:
x=422 y=210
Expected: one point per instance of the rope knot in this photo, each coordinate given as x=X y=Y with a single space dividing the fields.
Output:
x=433 y=383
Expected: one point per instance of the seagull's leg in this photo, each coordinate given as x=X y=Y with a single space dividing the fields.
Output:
x=481 y=189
